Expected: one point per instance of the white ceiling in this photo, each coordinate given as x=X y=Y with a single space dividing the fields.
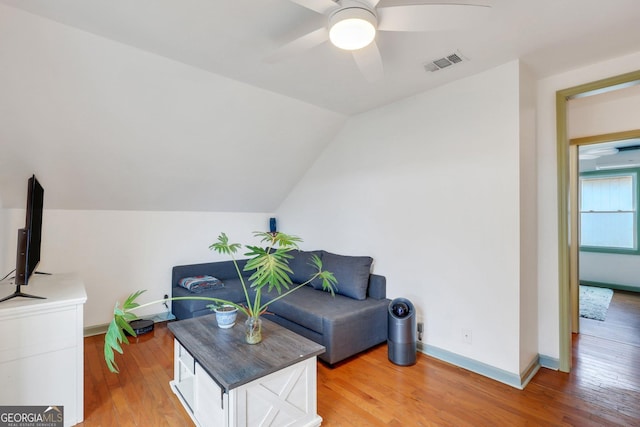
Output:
x=627 y=156
x=168 y=105
x=231 y=38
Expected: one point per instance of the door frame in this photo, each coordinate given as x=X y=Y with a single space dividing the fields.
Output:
x=567 y=252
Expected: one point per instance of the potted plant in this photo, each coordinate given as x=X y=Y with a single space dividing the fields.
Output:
x=225 y=315
x=269 y=266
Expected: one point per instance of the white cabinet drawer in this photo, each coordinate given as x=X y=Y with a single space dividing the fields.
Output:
x=37 y=333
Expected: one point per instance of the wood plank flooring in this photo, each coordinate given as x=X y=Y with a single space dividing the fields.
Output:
x=140 y=394
x=622 y=323
x=602 y=390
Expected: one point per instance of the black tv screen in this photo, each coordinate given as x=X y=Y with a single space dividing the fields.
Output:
x=30 y=237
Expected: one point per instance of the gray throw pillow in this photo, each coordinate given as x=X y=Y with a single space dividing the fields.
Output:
x=351 y=272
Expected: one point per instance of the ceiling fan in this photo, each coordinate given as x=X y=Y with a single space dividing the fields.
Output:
x=353 y=24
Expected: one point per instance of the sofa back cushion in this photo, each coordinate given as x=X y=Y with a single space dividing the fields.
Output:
x=302 y=267
x=351 y=272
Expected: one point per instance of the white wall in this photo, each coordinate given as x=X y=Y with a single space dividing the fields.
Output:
x=528 y=221
x=119 y=252
x=615 y=111
x=429 y=187
x=614 y=269
x=548 y=281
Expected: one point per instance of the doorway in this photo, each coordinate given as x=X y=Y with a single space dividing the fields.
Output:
x=567 y=208
x=608 y=236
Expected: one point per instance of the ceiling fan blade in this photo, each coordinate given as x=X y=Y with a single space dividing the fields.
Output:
x=299 y=45
x=320 y=6
x=369 y=62
x=430 y=17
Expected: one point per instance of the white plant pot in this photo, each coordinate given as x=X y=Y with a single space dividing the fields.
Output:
x=226 y=318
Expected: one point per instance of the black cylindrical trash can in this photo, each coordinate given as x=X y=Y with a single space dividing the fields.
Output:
x=401 y=339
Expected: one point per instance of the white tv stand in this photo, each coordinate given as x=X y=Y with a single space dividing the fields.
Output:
x=42 y=345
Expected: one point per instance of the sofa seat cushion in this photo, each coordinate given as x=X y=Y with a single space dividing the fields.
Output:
x=313 y=308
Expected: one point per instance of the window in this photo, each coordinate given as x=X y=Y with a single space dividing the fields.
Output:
x=608 y=212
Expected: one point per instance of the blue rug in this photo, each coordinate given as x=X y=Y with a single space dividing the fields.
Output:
x=594 y=302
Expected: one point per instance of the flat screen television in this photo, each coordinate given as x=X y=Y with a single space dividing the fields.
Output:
x=29 y=239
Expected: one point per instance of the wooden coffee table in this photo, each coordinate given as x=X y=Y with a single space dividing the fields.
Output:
x=223 y=381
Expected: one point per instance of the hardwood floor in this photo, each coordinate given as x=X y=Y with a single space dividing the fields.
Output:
x=140 y=394
x=602 y=390
x=622 y=323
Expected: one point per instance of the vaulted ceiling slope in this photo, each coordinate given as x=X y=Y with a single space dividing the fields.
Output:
x=169 y=105
x=107 y=126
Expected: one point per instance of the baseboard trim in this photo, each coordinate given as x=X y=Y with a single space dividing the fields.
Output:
x=102 y=329
x=497 y=374
x=617 y=286
x=529 y=372
x=480 y=368
x=549 y=362
x=90 y=331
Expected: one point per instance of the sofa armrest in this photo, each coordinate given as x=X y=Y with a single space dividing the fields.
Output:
x=377 y=286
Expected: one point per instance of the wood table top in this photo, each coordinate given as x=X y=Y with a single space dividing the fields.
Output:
x=229 y=360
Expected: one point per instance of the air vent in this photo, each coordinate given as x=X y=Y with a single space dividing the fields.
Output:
x=442 y=63
x=447 y=61
x=454 y=58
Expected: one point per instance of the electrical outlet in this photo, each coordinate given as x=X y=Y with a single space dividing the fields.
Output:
x=420 y=330
x=467 y=337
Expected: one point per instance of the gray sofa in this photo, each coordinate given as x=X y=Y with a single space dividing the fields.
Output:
x=353 y=320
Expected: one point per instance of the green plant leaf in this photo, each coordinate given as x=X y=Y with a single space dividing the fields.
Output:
x=111 y=342
x=129 y=303
x=116 y=332
x=270 y=267
x=278 y=239
x=329 y=281
x=222 y=246
x=119 y=325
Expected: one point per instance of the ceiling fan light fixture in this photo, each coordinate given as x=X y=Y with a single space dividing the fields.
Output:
x=352 y=28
